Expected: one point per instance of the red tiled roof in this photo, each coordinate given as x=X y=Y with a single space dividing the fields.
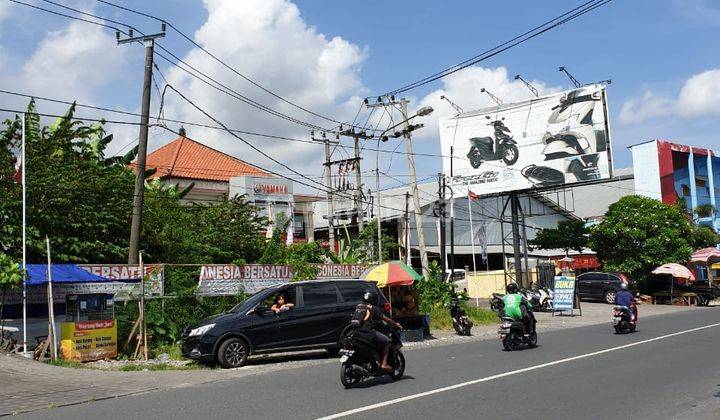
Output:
x=186 y=158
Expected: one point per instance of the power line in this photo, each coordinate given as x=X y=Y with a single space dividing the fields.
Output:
x=524 y=37
x=224 y=64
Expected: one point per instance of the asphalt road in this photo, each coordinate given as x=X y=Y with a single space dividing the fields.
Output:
x=668 y=369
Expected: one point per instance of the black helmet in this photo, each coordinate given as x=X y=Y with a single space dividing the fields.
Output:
x=512 y=288
x=370 y=297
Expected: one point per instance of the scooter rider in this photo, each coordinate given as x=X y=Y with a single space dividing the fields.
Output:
x=626 y=299
x=372 y=320
x=517 y=307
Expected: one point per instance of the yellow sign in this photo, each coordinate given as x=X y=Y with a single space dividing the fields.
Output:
x=85 y=341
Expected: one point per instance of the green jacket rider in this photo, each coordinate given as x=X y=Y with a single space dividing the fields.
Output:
x=516 y=306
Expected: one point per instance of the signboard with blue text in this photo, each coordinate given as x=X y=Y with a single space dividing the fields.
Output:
x=563 y=293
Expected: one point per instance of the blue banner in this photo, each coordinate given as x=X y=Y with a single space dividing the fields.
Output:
x=563 y=293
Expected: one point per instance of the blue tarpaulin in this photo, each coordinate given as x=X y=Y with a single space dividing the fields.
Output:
x=61 y=273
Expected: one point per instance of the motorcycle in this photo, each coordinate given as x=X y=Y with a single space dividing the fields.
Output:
x=541 y=299
x=622 y=321
x=574 y=111
x=512 y=333
x=502 y=147
x=496 y=302
x=361 y=359
x=460 y=320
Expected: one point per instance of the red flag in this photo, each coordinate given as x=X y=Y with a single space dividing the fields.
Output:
x=472 y=195
x=19 y=174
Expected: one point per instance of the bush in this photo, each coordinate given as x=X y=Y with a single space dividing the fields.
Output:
x=435 y=293
x=440 y=317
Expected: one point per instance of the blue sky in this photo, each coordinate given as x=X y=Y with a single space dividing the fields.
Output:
x=662 y=56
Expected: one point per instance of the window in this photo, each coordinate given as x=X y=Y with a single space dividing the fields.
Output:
x=299 y=226
x=353 y=291
x=319 y=294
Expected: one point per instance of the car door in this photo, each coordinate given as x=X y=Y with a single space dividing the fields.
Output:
x=269 y=330
x=320 y=313
x=600 y=284
x=584 y=285
x=289 y=323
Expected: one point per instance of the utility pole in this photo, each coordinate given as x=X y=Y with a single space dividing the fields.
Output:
x=514 y=209
x=452 y=216
x=414 y=188
x=441 y=215
x=406 y=238
x=330 y=189
x=358 y=186
x=149 y=42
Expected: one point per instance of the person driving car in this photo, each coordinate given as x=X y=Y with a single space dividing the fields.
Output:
x=281 y=304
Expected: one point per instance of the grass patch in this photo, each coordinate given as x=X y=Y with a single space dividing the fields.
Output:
x=172 y=350
x=68 y=364
x=440 y=317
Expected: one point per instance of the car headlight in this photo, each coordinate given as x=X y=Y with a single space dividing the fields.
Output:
x=201 y=330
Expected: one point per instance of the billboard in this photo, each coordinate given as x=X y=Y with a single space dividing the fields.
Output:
x=231 y=279
x=541 y=142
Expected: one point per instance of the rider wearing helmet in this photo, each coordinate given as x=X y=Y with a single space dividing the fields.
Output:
x=517 y=307
x=373 y=320
x=625 y=299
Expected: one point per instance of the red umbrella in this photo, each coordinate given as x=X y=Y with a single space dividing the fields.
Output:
x=705 y=255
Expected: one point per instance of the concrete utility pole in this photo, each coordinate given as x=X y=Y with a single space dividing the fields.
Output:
x=358 y=186
x=149 y=42
x=330 y=189
x=414 y=188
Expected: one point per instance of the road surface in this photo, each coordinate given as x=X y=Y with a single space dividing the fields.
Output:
x=669 y=368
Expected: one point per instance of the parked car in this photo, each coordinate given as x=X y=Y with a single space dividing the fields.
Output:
x=459 y=277
x=321 y=313
x=599 y=285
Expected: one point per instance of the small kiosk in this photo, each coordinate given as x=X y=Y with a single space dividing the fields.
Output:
x=89 y=332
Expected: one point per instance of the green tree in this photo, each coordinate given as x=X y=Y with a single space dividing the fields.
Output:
x=569 y=234
x=704 y=237
x=10 y=277
x=639 y=234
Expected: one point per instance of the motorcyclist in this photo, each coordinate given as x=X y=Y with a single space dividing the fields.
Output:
x=626 y=299
x=517 y=307
x=373 y=320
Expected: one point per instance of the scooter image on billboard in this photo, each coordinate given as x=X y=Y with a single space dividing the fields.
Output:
x=570 y=127
x=502 y=147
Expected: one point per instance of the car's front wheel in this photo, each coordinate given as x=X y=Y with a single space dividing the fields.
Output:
x=233 y=353
x=610 y=296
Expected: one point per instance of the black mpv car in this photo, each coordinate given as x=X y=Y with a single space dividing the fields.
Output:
x=322 y=310
x=604 y=286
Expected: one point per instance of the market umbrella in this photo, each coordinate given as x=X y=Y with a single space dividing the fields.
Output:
x=393 y=273
x=676 y=271
x=706 y=255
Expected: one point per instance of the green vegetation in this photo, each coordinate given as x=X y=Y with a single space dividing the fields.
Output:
x=639 y=234
x=569 y=234
x=440 y=317
x=68 y=364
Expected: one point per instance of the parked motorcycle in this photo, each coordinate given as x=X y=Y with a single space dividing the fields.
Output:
x=623 y=322
x=541 y=299
x=460 y=320
x=496 y=302
x=502 y=147
x=361 y=359
x=512 y=334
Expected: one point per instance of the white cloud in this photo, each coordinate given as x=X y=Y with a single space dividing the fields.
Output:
x=464 y=87
x=698 y=97
x=269 y=42
x=637 y=110
x=73 y=63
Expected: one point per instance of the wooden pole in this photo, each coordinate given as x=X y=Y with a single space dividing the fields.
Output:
x=52 y=334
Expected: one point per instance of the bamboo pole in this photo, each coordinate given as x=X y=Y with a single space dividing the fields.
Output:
x=52 y=333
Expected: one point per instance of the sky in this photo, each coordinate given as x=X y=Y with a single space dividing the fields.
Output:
x=662 y=56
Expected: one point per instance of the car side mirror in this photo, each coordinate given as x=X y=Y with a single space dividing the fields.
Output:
x=261 y=309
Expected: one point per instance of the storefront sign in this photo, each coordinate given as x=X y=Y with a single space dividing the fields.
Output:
x=270 y=189
x=339 y=271
x=85 y=341
x=563 y=293
x=231 y=279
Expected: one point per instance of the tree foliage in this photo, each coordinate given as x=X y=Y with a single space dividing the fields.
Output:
x=704 y=237
x=569 y=234
x=639 y=234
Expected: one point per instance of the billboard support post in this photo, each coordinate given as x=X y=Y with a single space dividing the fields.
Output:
x=441 y=215
x=514 y=209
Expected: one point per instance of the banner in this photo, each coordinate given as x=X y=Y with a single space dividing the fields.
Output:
x=563 y=293
x=124 y=284
x=551 y=140
x=339 y=271
x=86 y=341
x=231 y=279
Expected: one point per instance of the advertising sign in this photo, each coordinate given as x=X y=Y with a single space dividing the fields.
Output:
x=85 y=341
x=231 y=279
x=563 y=293
x=547 y=141
x=339 y=271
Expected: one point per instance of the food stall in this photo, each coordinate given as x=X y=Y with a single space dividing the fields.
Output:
x=396 y=280
x=89 y=332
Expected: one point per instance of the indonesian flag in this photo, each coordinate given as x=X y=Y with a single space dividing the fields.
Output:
x=472 y=195
x=18 y=177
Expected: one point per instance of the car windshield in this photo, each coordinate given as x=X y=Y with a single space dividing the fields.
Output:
x=253 y=300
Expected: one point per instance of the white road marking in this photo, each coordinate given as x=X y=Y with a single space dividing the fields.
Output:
x=502 y=375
